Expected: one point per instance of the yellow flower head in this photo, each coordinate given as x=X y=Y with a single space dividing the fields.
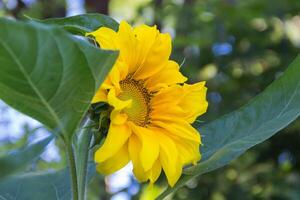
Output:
x=152 y=107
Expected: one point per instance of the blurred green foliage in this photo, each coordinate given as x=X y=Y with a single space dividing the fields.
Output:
x=238 y=47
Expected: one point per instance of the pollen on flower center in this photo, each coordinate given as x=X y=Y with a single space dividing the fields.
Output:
x=139 y=112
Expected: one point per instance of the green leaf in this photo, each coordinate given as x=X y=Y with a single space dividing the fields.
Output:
x=19 y=159
x=49 y=74
x=36 y=186
x=81 y=24
x=230 y=136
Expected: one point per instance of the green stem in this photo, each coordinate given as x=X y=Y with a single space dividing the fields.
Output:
x=72 y=167
x=83 y=155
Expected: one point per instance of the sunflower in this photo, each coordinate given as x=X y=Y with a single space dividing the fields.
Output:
x=152 y=108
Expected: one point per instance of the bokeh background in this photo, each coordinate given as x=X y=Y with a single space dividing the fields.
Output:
x=238 y=46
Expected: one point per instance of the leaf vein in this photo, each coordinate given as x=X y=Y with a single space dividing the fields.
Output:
x=35 y=89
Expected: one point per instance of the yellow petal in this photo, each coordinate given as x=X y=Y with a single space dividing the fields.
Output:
x=124 y=41
x=194 y=101
x=187 y=101
x=169 y=157
x=118 y=73
x=134 y=147
x=155 y=171
x=114 y=163
x=100 y=96
x=114 y=77
x=189 y=151
x=127 y=43
x=154 y=51
x=146 y=37
x=105 y=37
x=122 y=68
x=180 y=128
x=118 y=118
x=168 y=75
x=160 y=112
x=168 y=95
x=117 y=136
x=114 y=101
x=150 y=146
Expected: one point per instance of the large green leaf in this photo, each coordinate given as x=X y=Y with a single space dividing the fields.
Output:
x=49 y=74
x=81 y=24
x=20 y=158
x=39 y=186
x=228 y=137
